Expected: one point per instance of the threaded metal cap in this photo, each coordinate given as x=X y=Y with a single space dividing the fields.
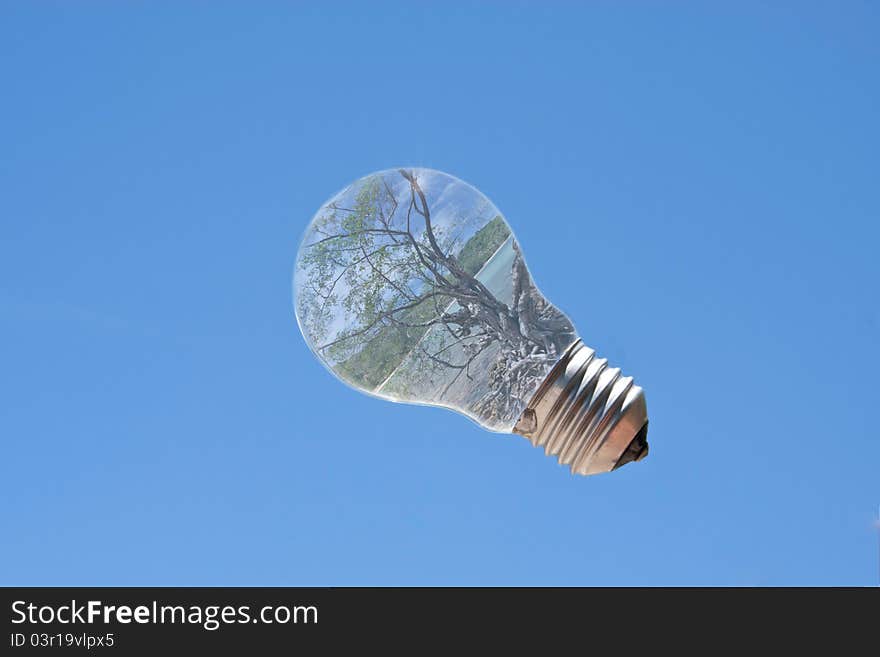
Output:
x=587 y=414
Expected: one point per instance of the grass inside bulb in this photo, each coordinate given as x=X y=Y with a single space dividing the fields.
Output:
x=409 y=285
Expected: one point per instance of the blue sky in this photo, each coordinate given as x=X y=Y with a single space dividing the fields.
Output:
x=695 y=186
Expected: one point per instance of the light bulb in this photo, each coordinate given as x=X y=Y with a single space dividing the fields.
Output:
x=409 y=285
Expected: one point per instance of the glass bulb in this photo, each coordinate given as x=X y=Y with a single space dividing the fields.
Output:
x=410 y=286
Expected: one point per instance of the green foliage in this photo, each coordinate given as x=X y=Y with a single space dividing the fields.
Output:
x=385 y=349
x=483 y=244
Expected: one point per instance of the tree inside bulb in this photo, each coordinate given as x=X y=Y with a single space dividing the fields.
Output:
x=411 y=286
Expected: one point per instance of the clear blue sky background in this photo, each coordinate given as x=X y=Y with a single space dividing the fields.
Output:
x=696 y=186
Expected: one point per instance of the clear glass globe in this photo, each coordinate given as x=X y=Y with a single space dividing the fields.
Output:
x=409 y=285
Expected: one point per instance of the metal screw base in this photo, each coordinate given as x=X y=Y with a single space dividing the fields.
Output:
x=587 y=415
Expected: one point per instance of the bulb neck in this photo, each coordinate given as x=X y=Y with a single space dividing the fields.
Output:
x=587 y=415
